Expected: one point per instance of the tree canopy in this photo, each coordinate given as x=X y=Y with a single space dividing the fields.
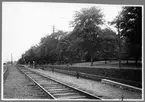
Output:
x=86 y=27
x=129 y=23
x=88 y=41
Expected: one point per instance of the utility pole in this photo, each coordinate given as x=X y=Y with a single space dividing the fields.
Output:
x=119 y=42
x=11 y=59
x=53 y=29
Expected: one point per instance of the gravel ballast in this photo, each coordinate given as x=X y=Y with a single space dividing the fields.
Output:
x=93 y=87
x=18 y=86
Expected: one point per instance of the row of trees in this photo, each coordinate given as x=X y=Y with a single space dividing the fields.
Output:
x=88 y=42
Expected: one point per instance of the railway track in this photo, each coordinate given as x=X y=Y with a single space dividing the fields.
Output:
x=54 y=88
x=5 y=73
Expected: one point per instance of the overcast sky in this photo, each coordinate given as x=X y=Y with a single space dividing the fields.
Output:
x=24 y=24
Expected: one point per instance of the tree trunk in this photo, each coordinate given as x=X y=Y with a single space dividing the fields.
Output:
x=127 y=61
x=71 y=62
x=105 y=61
x=60 y=59
x=77 y=74
x=52 y=69
x=92 y=60
x=136 y=60
x=71 y=58
x=119 y=63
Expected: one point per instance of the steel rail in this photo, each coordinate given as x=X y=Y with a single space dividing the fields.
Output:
x=36 y=83
x=74 y=88
x=77 y=89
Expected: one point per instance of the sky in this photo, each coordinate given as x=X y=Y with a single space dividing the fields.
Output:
x=25 y=23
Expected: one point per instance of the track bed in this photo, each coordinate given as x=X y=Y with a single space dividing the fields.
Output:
x=55 y=89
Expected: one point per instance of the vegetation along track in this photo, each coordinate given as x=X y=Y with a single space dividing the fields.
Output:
x=55 y=89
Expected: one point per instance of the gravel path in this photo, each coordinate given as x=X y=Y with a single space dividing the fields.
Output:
x=17 y=86
x=95 y=87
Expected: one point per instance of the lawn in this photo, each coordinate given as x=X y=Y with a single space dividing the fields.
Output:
x=113 y=64
x=128 y=73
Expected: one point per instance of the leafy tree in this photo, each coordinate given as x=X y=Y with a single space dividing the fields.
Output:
x=86 y=27
x=50 y=46
x=108 y=42
x=129 y=23
x=62 y=47
x=126 y=49
x=46 y=51
x=73 y=50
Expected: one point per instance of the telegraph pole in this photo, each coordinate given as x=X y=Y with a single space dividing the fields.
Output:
x=53 y=29
x=119 y=43
x=11 y=59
